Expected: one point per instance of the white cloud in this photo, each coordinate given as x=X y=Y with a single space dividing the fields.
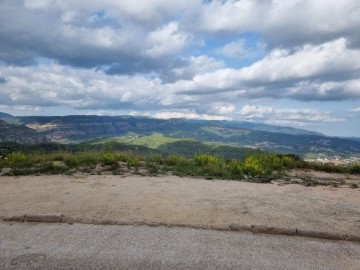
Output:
x=323 y=72
x=188 y=115
x=196 y=65
x=21 y=108
x=314 y=21
x=308 y=62
x=37 y=4
x=290 y=117
x=355 y=109
x=167 y=40
x=236 y=49
x=76 y=88
x=222 y=108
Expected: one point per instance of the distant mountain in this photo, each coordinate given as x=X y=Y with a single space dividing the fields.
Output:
x=19 y=134
x=84 y=127
x=5 y=115
x=352 y=138
x=267 y=137
x=271 y=128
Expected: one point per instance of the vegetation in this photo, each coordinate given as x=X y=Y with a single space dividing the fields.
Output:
x=251 y=166
x=353 y=168
x=156 y=154
x=169 y=136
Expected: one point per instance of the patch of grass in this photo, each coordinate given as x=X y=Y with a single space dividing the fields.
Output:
x=133 y=161
x=253 y=166
x=153 y=168
x=51 y=168
x=355 y=168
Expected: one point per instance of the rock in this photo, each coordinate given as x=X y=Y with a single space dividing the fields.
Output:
x=296 y=181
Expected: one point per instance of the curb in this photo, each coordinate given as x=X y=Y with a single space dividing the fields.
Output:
x=256 y=229
x=44 y=218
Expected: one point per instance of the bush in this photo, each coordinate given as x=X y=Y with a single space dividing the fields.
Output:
x=236 y=168
x=133 y=161
x=173 y=160
x=206 y=159
x=355 y=168
x=109 y=159
x=353 y=185
x=15 y=158
x=253 y=166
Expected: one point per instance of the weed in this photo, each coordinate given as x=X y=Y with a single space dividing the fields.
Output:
x=355 y=168
x=353 y=185
x=109 y=159
x=133 y=161
x=153 y=168
x=206 y=159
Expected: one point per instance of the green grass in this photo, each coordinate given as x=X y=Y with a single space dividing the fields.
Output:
x=257 y=164
x=353 y=168
x=206 y=165
x=153 y=141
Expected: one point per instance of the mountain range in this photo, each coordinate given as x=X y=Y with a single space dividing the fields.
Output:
x=79 y=128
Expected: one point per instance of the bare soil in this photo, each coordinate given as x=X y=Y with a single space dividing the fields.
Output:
x=184 y=201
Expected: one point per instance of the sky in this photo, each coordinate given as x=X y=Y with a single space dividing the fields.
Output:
x=292 y=63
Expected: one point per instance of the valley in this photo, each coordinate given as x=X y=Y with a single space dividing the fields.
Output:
x=165 y=134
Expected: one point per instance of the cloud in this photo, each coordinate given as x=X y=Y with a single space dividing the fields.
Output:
x=329 y=71
x=188 y=115
x=315 y=21
x=236 y=49
x=355 y=109
x=186 y=69
x=167 y=40
x=290 y=117
x=109 y=35
x=56 y=85
x=222 y=108
x=193 y=58
x=21 y=108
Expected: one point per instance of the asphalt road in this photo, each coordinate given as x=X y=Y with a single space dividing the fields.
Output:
x=78 y=246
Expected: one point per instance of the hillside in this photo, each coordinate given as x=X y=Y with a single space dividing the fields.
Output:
x=81 y=128
x=5 y=115
x=19 y=134
x=270 y=128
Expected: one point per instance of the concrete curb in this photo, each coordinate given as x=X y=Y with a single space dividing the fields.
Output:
x=45 y=218
x=262 y=229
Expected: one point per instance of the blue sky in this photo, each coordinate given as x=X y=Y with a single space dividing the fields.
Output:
x=293 y=63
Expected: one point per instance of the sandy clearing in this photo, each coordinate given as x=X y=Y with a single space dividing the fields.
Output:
x=190 y=201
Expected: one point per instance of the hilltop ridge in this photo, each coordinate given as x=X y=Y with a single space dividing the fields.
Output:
x=80 y=128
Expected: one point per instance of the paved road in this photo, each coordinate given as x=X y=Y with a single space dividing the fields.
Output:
x=63 y=246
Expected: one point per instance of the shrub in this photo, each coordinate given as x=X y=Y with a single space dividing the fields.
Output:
x=109 y=159
x=173 y=160
x=133 y=161
x=253 y=166
x=51 y=168
x=353 y=185
x=355 y=168
x=236 y=167
x=206 y=159
x=16 y=157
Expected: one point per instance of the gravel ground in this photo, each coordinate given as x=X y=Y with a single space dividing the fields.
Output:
x=183 y=201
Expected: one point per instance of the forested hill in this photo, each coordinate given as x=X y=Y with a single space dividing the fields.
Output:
x=267 y=137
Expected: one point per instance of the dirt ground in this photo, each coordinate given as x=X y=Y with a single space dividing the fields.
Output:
x=184 y=201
